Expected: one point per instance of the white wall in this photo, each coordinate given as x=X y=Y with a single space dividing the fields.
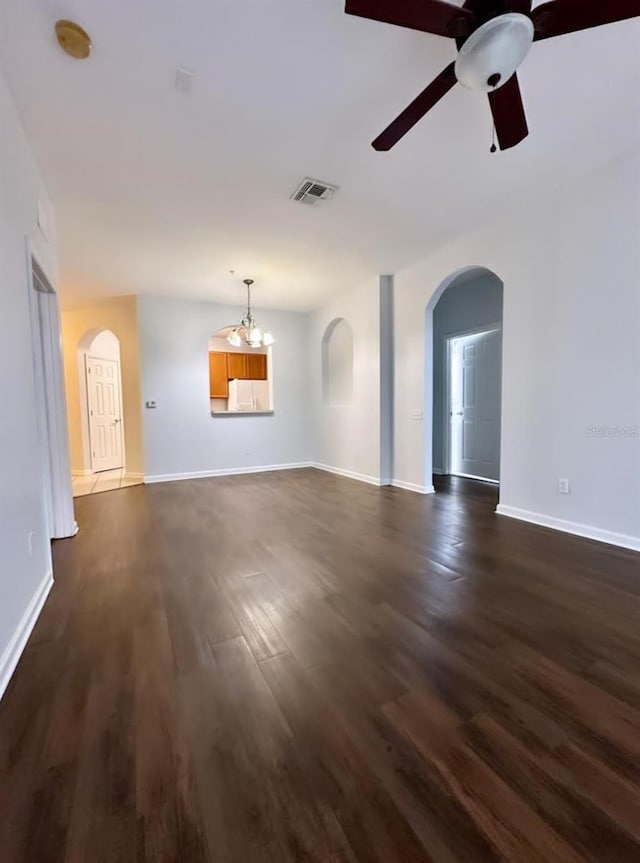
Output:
x=21 y=501
x=180 y=435
x=347 y=437
x=463 y=307
x=571 y=272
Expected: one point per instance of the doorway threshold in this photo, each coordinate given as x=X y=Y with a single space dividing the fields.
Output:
x=479 y=478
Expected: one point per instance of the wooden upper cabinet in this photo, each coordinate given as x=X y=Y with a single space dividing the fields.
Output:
x=218 y=375
x=256 y=367
x=237 y=364
x=224 y=367
x=247 y=367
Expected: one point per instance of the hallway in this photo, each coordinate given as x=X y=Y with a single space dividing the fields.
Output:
x=106 y=480
x=298 y=667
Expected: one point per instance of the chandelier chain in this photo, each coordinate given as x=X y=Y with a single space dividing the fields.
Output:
x=252 y=333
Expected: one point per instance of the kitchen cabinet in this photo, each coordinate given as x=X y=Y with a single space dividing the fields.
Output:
x=224 y=367
x=256 y=367
x=237 y=365
x=218 y=375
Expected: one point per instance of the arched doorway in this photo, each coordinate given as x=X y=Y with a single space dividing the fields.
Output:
x=101 y=430
x=463 y=379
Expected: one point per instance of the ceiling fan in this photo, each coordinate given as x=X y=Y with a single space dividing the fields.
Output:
x=493 y=38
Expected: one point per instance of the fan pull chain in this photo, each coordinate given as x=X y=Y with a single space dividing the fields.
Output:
x=493 y=130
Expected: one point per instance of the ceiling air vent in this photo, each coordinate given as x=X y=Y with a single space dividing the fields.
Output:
x=311 y=192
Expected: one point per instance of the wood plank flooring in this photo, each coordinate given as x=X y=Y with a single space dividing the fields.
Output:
x=297 y=667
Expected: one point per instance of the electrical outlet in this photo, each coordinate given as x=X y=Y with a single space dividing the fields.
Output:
x=416 y=415
x=563 y=486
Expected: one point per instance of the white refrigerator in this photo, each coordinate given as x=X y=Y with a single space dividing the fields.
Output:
x=248 y=396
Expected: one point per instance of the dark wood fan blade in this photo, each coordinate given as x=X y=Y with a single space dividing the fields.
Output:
x=508 y=114
x=486 y=9
x=429 y=16
x=568 y=16
x=438 y=88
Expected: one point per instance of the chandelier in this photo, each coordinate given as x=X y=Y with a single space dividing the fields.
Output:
x=248 y=330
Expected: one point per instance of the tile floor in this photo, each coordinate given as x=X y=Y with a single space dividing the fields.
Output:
x=106 y=480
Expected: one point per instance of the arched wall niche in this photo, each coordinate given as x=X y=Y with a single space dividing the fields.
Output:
x=337 y=363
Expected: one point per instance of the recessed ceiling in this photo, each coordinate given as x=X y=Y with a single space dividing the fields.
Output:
x=163 y=192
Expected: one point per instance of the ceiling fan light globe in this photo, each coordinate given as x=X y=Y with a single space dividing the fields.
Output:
x=267 y=339
x=234 y=339
x=493 y=52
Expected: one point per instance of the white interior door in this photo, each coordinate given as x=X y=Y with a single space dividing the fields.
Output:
x=105 y=420
x=475 y=395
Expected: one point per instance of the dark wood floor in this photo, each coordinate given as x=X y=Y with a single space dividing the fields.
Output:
x=297 y=667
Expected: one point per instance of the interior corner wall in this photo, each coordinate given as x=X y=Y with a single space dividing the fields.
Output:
x=181 y=438
x=386 y=379
x=570 y=265
x=120 y=315
x=346 y=438
x=25 y=552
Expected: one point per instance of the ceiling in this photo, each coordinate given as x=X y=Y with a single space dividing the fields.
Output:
x=161 y=192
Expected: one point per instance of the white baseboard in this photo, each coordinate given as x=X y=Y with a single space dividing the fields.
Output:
x=349 y=474
x=232 y=471
x=438 y=471
x=412 y=486
x=13 y=650
x=585 y=530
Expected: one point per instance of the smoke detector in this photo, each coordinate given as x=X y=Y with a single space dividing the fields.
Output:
x=311 y=192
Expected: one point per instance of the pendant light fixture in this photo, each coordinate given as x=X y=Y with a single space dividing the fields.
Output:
x=248 y=330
